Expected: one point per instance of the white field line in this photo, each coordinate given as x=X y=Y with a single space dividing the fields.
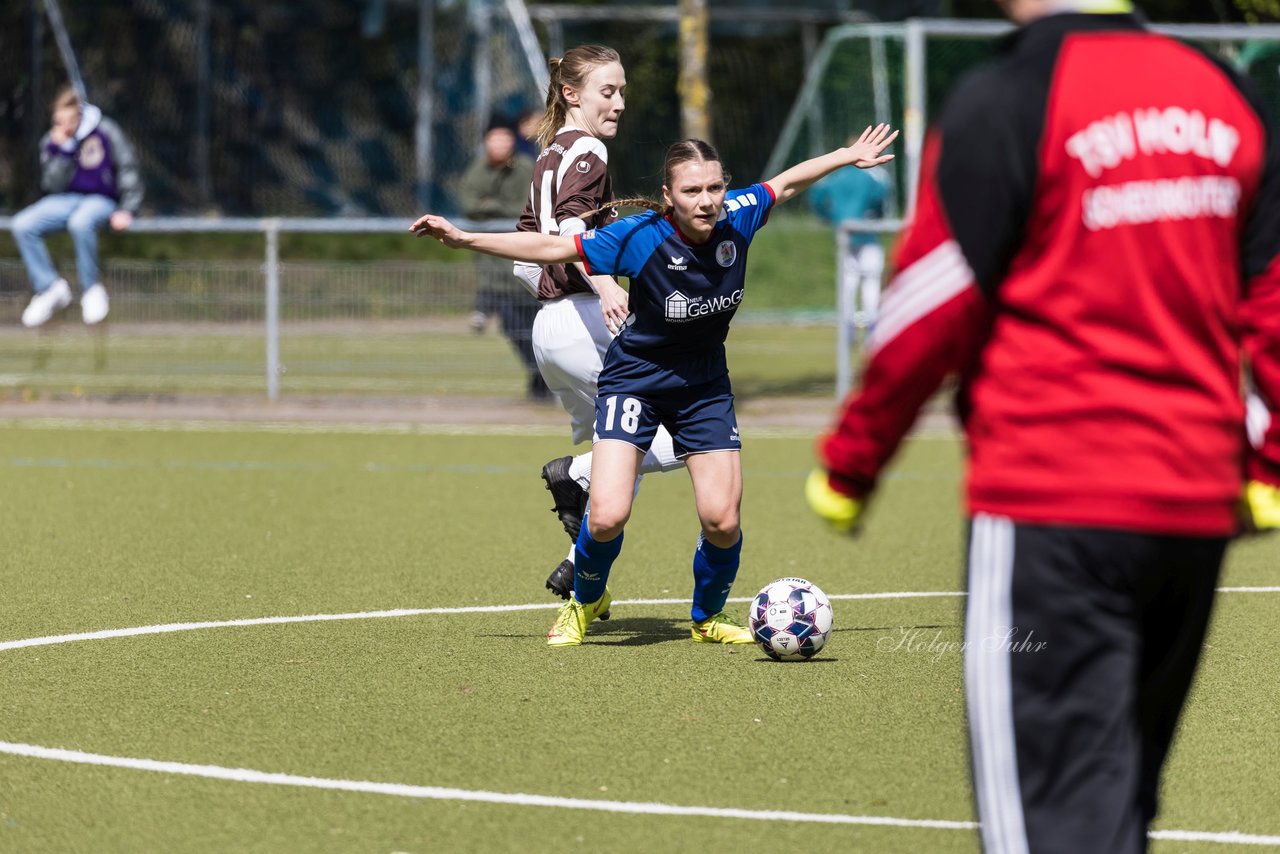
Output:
x=402 y=790
x=169 y=628
x=246 y=775
x=1230 y=837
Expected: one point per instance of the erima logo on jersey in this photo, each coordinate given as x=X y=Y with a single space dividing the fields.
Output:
x=681 y=309
x=677 y=263
x=733 y=437
x=746 y=200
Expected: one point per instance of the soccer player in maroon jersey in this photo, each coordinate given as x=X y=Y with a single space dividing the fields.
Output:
x=580 y=313
x=1096 y=242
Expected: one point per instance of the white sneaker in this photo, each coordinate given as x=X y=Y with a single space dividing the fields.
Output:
x=93 y=304
x=42 y=306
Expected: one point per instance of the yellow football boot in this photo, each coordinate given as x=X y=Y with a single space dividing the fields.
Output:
x=574 y=617
x=720 y=629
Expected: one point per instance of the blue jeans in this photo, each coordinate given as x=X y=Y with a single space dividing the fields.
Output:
x=81 y=215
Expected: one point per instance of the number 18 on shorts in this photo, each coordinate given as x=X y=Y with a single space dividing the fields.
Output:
x=699 y=419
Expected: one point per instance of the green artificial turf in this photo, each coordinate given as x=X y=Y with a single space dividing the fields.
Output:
x=109 y=529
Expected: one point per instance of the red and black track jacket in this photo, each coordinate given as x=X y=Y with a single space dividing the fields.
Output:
x=1095 y=242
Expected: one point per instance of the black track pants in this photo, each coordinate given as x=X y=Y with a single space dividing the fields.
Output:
x=1080 y=647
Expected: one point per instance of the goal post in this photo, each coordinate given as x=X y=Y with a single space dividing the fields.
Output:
x=900 y=73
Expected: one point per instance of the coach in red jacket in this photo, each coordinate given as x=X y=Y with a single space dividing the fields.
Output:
x=1094 y=246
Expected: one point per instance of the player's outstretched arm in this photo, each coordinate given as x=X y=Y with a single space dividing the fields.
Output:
x=528 y=246
x=865 y=153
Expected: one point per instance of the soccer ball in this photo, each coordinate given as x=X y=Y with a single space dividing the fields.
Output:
x=791 y=619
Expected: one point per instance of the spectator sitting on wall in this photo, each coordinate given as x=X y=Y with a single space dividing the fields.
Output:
x=90 y=172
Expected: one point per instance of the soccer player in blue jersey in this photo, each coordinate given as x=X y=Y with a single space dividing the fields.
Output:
x=687 y=264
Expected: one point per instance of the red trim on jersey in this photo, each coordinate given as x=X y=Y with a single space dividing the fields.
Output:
x=577 y=243
x=689 y=240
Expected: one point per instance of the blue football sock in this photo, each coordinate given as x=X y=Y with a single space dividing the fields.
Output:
x=714 y=570
x=591 y=564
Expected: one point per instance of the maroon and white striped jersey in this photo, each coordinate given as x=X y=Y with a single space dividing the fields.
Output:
x=570 y=178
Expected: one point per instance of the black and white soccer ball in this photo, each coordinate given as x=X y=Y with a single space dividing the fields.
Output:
x=791 y=619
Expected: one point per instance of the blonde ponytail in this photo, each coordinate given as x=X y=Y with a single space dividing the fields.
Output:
x=557 y=108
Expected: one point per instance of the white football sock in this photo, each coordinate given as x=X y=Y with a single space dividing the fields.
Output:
x=661 y=455
x=580 y=470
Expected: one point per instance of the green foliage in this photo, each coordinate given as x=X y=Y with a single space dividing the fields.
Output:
x=1257 y=11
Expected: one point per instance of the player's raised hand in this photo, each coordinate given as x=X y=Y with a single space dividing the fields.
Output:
x=430 y=225
x=866 y=151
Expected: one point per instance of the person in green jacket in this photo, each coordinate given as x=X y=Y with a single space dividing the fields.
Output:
x=495 y=187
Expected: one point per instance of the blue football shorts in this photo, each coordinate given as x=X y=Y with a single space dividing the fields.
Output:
x=699 y=418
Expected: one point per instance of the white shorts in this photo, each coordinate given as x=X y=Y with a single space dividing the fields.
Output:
x=569 y=343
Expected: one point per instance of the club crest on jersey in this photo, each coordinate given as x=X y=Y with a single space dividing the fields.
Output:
x=726 y=253
x=677 y=263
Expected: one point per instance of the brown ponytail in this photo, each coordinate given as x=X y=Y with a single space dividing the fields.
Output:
x=635 y=202
x=569 y=70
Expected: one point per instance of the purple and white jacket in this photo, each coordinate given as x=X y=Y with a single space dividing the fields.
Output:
x=98 y=161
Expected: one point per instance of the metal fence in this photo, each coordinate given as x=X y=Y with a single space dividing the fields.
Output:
x=338 y=332
x=302 y=327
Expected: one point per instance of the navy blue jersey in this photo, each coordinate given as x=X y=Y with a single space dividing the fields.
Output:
x=682 y=294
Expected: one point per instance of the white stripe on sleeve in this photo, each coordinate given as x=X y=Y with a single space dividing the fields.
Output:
x=919 y=289
x=582 y=146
